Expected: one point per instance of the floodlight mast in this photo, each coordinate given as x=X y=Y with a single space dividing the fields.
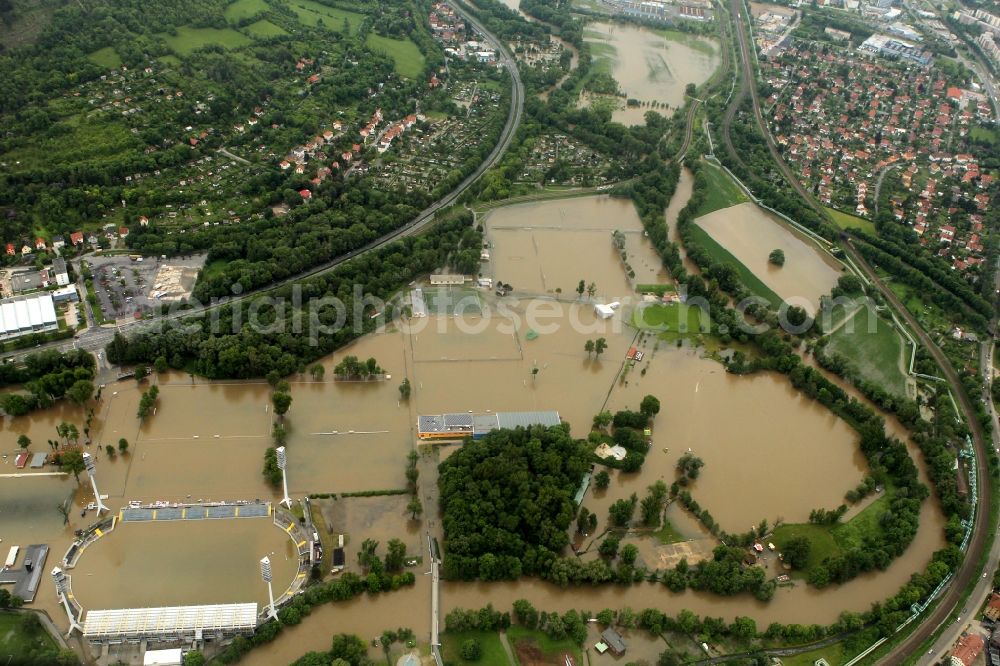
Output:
x=265 y=573
x=282 y=465
x=88 y=463
x=62 y=589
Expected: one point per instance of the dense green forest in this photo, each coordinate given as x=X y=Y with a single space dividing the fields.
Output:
x=507 y=502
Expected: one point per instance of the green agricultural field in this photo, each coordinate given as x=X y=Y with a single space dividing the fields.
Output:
x=873 y=347
x=672 y=317
x=242 y=9
x=722 y=191
x=106 y=57
x=264 y=29
x=845 y=221
x=722 y=255
x=549 y=647
x=493 y=652
x=408 y=58
x=187 y=40
x=312 y=13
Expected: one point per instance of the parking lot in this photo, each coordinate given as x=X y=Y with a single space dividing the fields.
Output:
x=127 y=287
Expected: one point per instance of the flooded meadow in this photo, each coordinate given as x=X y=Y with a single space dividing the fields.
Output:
x=750 y=233
x=651 y=65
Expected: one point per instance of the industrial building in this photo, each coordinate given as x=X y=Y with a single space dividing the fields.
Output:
x=29 y=314
x=468 y=424
x=170 y=623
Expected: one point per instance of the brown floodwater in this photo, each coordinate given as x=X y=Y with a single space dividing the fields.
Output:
x=183 y=563
x=769 y=452
x=751 y=233
x=650 y=67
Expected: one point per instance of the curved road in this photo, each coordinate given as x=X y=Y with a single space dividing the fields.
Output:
x=95 y=339
x=969 y=569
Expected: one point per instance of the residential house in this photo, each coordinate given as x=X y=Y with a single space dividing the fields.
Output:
x=968 y=648
x=58 y=243
x=611 y=641
x=76 y=238
x=60 y=271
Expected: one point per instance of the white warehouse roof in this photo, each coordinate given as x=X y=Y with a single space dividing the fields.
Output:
x=26 y=314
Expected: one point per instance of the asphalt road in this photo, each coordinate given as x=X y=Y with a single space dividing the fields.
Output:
x=969 y=569
x=95 y=339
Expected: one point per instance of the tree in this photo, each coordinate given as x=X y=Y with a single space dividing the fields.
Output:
x=141 y=372
x=609 y=547
x=110 y=450
x=81 y=391
x=64 y=511
x=583 y=520
x=122 y=445
x=194 y=658
x=317 y=371
x=471 y=650
x=796 y=552
x=24 y=441
x=602 y=420
x=602 y=480
x=650 y=406
x=777 y=257
x=580 y=288
x=160 y=365
x=404 y=389
x=591 y=289
x=690 y=89
x=72 y=461
x=622 y=510
x=629 y=554
x=395 y=555
x=414 y=507
x=588 y=347
x=282 y=401
x=600 y=345
x=690 y=466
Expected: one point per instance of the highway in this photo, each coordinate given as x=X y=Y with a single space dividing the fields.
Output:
x=96 y=338
x=969 y=569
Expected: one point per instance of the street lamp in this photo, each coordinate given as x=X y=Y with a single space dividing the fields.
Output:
x=265 y=573
x=282 y=464
x=88 y=463
x=62 y=588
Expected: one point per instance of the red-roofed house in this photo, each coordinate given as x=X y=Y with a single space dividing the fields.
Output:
x=967 y=650
x=39 y=243
x=143 y=221
x=305 y=194
x=10 y=249
x=947 y=234
x=954 y=93
x=76 y=238
x=992 y=612
x=123 y=232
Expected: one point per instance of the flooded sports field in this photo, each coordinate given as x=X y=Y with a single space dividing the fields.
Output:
x=651 y=65
x=548 y=247
x=750 y=233
x=183 y=563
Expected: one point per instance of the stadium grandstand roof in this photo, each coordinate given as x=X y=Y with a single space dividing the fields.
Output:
x=169 y=621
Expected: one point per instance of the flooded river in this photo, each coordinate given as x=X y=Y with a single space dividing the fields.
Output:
x=652 y=65
x=769 y=453
x=751 y=233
